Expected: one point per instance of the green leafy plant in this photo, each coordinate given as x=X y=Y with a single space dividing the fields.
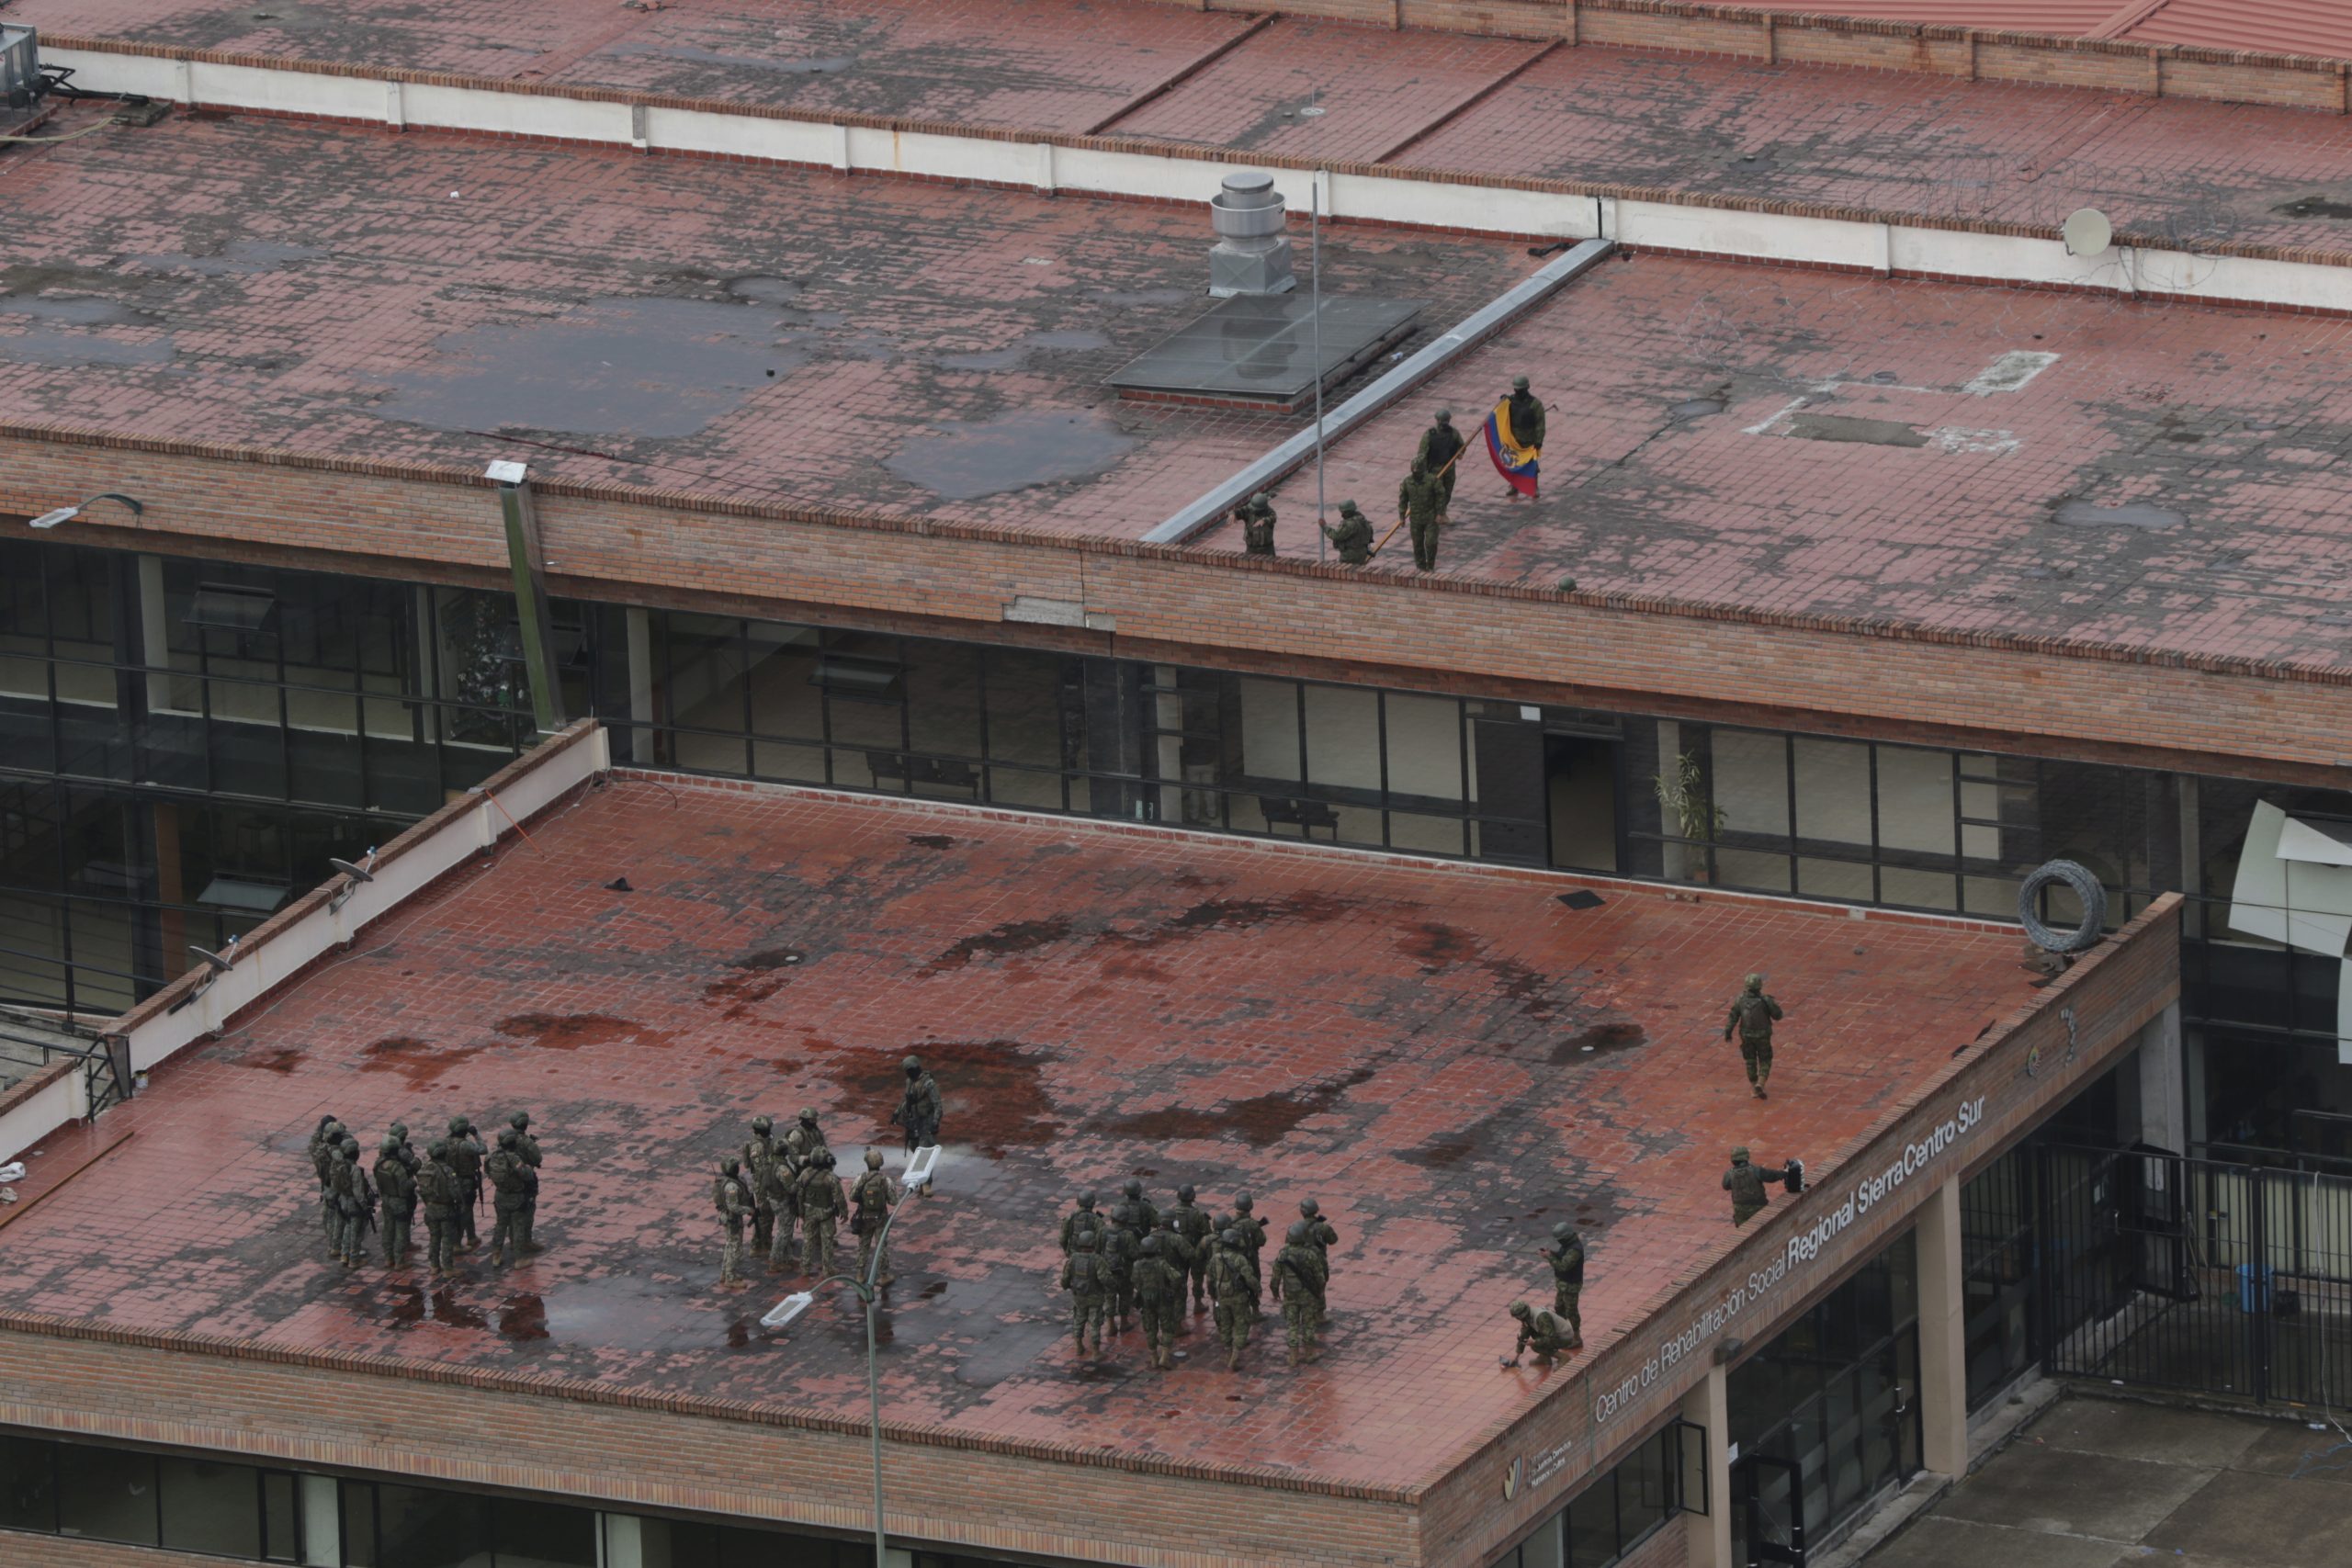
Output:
x=1682 y=796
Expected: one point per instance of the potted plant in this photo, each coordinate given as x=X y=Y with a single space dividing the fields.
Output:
x=1683 y=800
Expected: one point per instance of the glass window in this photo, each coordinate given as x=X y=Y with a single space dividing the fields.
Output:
x=27 y=1479
x=357 y=1509
x=1423 y=741
x=106 y=1494
x=1915 y=800
x=1833 y=791
x=211 y=1506
x=420 y=1526
x=1592 y=1524
x=543 y=1535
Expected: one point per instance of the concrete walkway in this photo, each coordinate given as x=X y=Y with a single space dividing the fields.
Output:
x=2104 y=1484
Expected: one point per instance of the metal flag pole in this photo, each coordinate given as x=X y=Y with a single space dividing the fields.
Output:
x=1315 y=284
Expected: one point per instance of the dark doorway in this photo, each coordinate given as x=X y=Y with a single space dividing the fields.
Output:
x=1771 y=1511
x=1580 y=788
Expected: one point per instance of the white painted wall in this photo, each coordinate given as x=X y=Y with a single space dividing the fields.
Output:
x=1713 y=230
x=43 y=1111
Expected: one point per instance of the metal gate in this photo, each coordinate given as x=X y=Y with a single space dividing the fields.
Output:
x=2198 y=1275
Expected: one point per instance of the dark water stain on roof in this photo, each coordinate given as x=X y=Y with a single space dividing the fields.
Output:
x=1259 y=1121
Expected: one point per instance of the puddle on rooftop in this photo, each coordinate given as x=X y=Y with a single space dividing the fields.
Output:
x=998 y=1098
x=653 y=367
x=963 y=461
x=1848 y=428
x=811 y=65
x=2132 y=515
x=59 y=344
x=1259 y=1121
x=570 y=1031
x=239 y=256
x=2314 y=207
x=1017 y=353
x=1601 y=1039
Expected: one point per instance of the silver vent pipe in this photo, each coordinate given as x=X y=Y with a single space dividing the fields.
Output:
x=1252 y=250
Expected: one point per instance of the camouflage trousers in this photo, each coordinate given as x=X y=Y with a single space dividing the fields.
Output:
x=505 y=1237
x=331 y=1217
x=816 y=1253
x=1563 y=1307
x=866 y=1261
x=1743 y=1212
x=526 y=1220
x=352 y=1247
x=782 y=1245
x=1548 y=1346
x=1163 y=1320
x=1235 y=1312
x=471 y=1191
x=731 y=1255
x=1197 y=1275
x=441 y=1229
x=1085 y=1313
x=1425 y=543
x=396 y=1232
x=764 y=1229
x=1759 y=1063
x=1302 y=1316
x=1123 y=1302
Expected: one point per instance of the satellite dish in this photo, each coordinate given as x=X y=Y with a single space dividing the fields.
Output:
x=2087 y=232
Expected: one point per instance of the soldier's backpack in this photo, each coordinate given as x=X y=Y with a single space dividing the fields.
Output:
x=718 y=1195
x=1086 y=1274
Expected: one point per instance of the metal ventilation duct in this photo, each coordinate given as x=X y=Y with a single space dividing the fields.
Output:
x=1252 y=251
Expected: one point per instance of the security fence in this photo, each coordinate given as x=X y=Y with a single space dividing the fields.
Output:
x=2201 y=1276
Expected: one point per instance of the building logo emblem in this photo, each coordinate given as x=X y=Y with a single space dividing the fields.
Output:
x=1510 y=1479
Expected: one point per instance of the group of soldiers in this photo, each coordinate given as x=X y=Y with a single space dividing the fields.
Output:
x=777 y=1185
x=1423 y=501
x=447 y=1179
x=1138 y=1263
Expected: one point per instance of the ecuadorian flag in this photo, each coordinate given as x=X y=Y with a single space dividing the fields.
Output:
x=1515 y=462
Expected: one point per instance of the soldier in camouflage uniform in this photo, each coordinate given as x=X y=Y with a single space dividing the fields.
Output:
x=1119 y=1253
x=1745 y=1183
x=437 y=1184
x=1322 y=1237
x=1753 y=1014
x=1198 y=1229
x=759 y=1159
x=466 y=1155
x=1134 y=1212
x=527 y=1149
x=1539 y=1331
x=871 y=1200
x=1440 y=446
x=1256 y=516
x=397 y=1133
x=325 y=1140
x=1300 y=1275
x=728 y=1197
x=1421 y=501
x=1159 y=1297
x=1083 y=1277
x=921 y=1108
x=819 y=1190
x=1568 y=1280
x=1083 y=1218
x=348 y=1184
x=1236 y=1293
x=1352 y=536
x=396 y=1183
x=1252 y=1231
x=1178 y=1252
x=505 y=1171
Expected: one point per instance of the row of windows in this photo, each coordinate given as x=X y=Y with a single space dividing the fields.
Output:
x=262 y=1514
x=1622 y=1507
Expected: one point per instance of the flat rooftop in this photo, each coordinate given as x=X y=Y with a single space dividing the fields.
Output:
x=2039 y=464
x=1447 y=1057
x=762 y=334
x=2200 y=174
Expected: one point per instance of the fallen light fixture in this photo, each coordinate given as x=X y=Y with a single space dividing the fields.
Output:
x=51 y=519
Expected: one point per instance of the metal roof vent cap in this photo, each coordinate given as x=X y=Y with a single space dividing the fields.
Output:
x=1252 y=250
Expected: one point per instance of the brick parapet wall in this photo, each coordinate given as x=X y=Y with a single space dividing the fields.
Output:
x=614 y=543
x=2027 y=1065
x=564 y=1437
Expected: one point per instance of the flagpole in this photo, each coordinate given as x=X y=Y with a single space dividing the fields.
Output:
x=1314 y=283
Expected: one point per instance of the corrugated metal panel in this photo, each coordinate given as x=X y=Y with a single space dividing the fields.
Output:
x=2274 y=27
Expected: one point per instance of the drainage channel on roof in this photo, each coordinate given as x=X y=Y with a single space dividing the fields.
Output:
x=1259 y=350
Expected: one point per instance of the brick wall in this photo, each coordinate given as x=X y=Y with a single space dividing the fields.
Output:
x=619 y=544
x=561 y=1437
x=2029 y=1065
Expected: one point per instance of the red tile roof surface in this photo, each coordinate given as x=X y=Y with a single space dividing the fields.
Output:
x=2171 y=479
x=1404 y=1043
x=2198 y=172
x=2268 y=27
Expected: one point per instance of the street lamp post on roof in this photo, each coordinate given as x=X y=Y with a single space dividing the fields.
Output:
x=792 y=1306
